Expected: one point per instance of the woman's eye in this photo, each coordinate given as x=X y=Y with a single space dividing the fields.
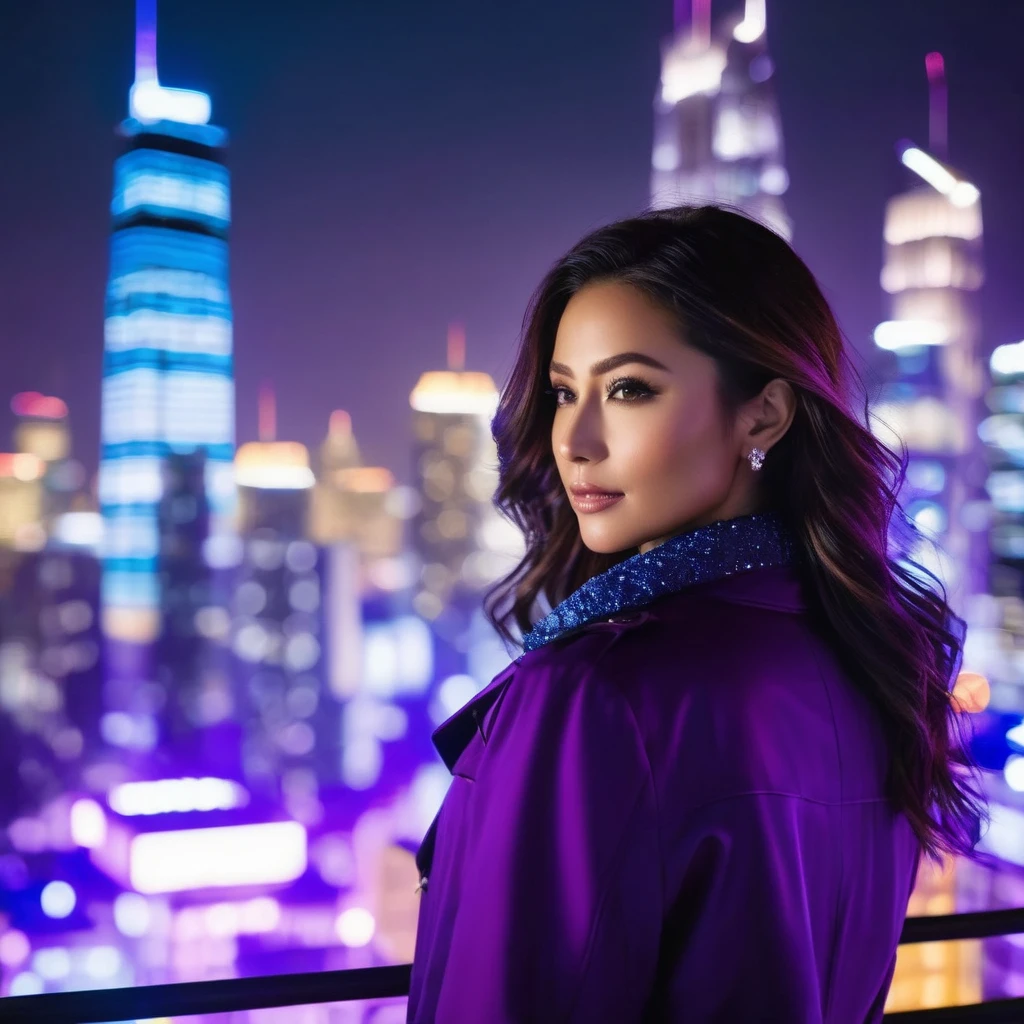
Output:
x=630 y=389
x=637 y=389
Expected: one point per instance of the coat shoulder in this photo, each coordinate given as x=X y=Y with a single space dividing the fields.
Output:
x=733 y=698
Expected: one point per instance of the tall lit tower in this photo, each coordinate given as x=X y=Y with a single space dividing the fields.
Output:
x=933 y=404
x=717 y=131
x=167 y=377
x=462 y=542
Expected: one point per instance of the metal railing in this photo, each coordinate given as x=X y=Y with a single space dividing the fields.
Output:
x=234 y=994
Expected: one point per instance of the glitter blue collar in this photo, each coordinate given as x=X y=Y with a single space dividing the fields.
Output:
x=708 y=553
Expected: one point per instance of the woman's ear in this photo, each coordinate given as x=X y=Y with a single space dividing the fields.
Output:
x=767 y=416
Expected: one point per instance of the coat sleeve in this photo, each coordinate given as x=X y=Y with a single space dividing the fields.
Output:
x=751 y=933
x=560 y=902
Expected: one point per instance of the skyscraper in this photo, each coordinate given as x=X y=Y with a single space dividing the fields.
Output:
x=167 y=376
x=1002 y=431
x=932 y=271
x=717 y=131
x=42 y=430
x=461 y=540
x=290 y=722
x=352 y=502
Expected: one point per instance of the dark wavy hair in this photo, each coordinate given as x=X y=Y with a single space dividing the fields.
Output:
x=741 y=295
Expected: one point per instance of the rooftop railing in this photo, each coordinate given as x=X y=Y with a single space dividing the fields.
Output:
x=235 y=994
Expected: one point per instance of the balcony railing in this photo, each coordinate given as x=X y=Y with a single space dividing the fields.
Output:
x=235 y=994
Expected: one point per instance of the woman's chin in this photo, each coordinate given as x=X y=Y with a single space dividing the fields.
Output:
x=606 y=542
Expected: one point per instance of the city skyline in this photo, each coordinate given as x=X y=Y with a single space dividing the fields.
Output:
x=490 y=183
x=220 y=690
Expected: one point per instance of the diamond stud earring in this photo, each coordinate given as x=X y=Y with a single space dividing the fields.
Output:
x=756 y=458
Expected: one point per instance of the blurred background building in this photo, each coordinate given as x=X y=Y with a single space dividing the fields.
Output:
x=168 y=386
x=717 y=130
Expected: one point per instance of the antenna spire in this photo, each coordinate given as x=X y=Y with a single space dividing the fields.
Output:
x=456 y=347
x=145 y=41
x=938 y=105
x=702 y=21
x=267 y=413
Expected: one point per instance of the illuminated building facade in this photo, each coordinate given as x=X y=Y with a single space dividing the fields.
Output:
x=462 y=542
x=50 y=698
x=42 y=431
x=290 y=720
x=21 y=500
x=1003 y=432
x=190 y=653
x=932 y=406
x=167 y=376
x=353 y=503
x=717 y=131
x=998 y=632
x=932 y=271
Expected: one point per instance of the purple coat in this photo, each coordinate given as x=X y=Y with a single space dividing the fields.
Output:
x=675 y=814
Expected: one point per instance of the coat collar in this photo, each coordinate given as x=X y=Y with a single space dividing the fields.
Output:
x=708 y=553
x=452 y=736
x=718 y=555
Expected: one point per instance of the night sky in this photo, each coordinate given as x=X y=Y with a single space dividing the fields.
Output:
x=398 y=166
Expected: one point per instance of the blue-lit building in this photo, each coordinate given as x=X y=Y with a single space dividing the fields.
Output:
x=168 y=386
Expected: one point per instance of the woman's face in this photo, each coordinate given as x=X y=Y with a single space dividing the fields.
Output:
x=638 y=414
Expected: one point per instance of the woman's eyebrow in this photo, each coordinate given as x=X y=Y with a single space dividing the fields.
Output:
x=611 y=363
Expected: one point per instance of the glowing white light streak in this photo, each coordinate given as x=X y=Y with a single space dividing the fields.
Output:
x=166 y=795
x=1008 y=359
x=960 y=193
x=754 y=23
x=894 y=335
x=149 y=101
x=686 y=74
x=259 y=854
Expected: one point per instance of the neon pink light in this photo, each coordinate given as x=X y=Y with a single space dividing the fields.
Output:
x=702 y=20
x=341 y=422
x=456 y=347
x=43 y=407
x=267 y=413
x=938 y=104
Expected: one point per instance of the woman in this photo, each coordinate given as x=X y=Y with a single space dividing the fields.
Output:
x=702 y=791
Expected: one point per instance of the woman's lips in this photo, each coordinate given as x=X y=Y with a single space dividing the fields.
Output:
x=596 y=501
